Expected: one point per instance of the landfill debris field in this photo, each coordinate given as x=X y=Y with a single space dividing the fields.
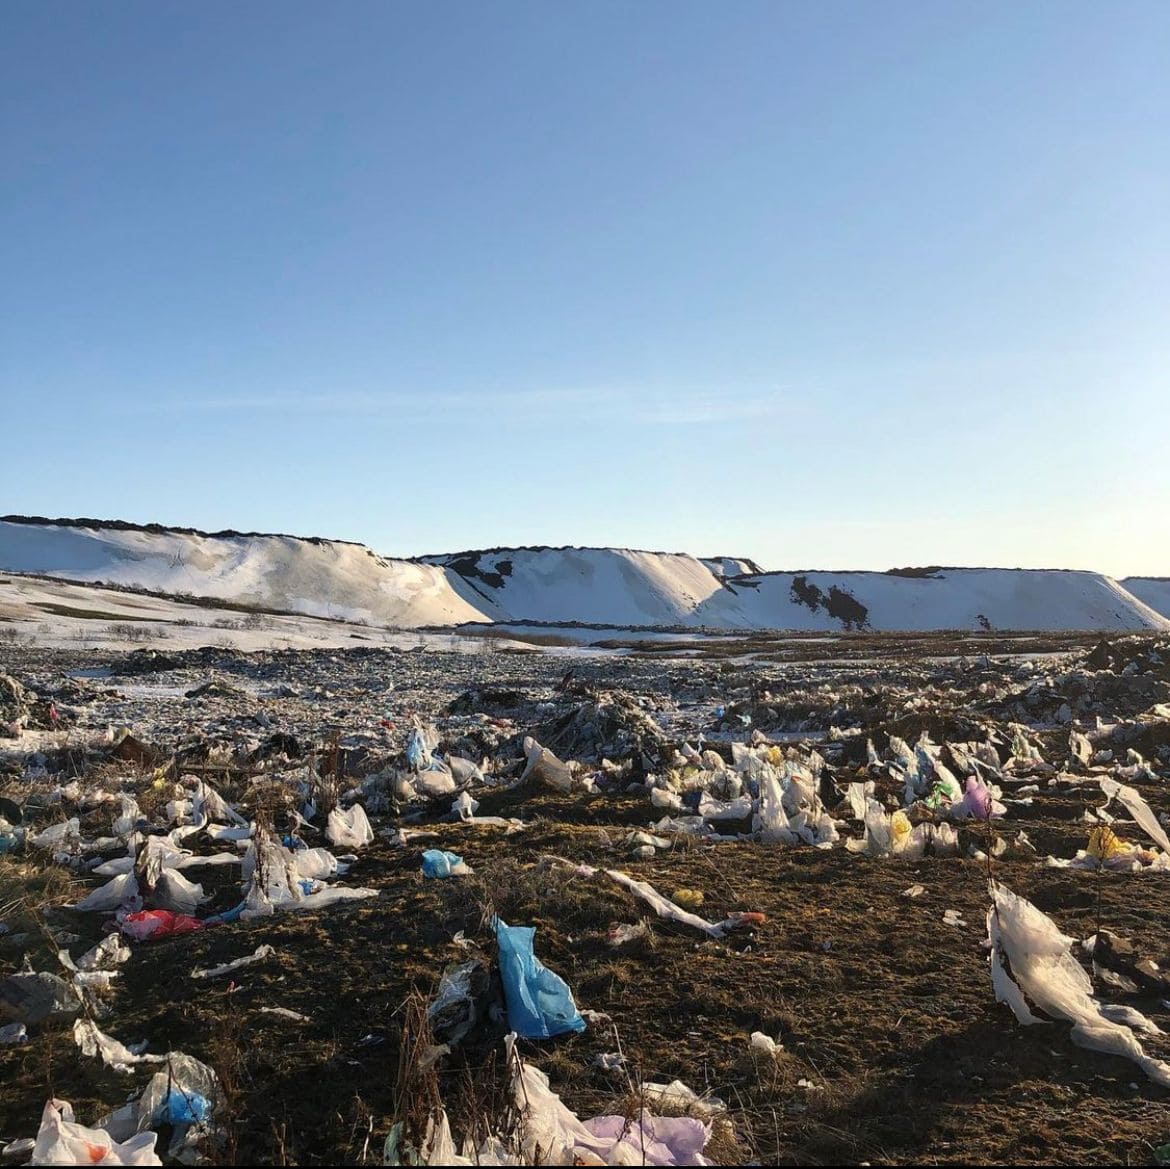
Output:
x=861 y=899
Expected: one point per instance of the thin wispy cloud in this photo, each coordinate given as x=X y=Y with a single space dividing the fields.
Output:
x=661 y=408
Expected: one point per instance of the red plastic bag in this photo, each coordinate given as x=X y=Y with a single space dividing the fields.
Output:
x=159 y=923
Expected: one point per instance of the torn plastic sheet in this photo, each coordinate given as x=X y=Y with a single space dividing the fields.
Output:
x=1044 y=971
x=109 y=952
x=115 y=1055
x=664 y=907
x=260 y=953
x=1142 y=813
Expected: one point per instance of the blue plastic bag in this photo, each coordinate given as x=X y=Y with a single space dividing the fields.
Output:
x=540 y=1004
x=228 y=916
x=183 y=1108
x=437 y=863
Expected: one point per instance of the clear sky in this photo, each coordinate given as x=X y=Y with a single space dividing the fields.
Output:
x=830 y=285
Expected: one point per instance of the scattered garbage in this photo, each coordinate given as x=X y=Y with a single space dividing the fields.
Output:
x=458 y=1003
x=622 y=935
x=799 y=760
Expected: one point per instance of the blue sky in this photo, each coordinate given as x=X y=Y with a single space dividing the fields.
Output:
x=833 y=285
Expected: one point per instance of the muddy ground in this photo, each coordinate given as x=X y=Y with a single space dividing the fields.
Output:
x=894 y=1049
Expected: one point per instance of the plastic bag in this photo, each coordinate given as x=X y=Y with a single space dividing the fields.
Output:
x=979 y=802
x=454 y=1009
x=651 y=1140
x=433 y=783
x=418 y=749
x=119 y=893
x=437 y=863
x=57 y=835
x=543 y=766
x=153 y=924
x=550 y=1133
x=109 y=952
x=174 y=892
x=463 y=807
x=128 y=820
x=540 y=1004
x=62 y=1141
x=349 y=829
x=187 y=1092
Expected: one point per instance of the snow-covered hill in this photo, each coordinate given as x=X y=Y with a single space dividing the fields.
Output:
x=323 y=578
x=610 y=586
x=600 y=586
x=1153 y=590
x=951 y=598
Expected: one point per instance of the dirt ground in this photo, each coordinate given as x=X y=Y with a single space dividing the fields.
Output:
x=894 y=1049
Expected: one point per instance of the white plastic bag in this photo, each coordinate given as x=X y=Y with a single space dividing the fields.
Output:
x=62 y=1141
x=349 y=829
